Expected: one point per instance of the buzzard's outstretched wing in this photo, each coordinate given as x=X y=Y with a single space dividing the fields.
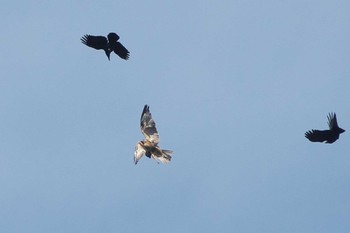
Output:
x=318 y=135
x=121 y=51
x=96 y=42
x=139 y=152
x=148 y=126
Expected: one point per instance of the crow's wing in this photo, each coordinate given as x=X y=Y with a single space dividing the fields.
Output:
x=96 y=42
x=148 y=126
x=121 y=51
x=139 y=152
x=332 y=121
x=318 y=135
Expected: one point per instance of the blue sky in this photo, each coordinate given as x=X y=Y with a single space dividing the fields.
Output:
x=232 y=86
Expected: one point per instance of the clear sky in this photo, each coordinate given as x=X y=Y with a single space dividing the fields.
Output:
x=232 y=85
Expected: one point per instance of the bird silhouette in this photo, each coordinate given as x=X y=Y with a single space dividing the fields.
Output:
x=328 y=136
x=108 y=45
x=149 y=146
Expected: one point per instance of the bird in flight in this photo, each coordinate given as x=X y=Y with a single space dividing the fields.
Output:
x=108 y=45
x=149 y=146
x=328 y=136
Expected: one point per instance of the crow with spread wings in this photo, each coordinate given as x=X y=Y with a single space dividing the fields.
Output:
x=330 y=135
x=149 y=146
x=108 y=45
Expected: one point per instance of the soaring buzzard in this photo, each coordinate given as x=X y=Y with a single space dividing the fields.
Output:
x=330 y=135
x=112 y=44
x=149 y=146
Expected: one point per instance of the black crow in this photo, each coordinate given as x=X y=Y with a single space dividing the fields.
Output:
x=108 y=45
x=329 y=136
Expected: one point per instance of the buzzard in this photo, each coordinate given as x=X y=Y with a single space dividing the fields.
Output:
x=149 y=146
x=108 y=45
x=330 y=135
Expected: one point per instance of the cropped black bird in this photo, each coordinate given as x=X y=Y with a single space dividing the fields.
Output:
x=329 y=136
x=108 y=45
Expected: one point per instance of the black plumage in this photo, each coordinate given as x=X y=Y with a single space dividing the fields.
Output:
x=108 y=45
x=327 y=136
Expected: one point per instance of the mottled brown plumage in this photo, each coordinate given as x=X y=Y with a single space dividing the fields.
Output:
x=149 y=146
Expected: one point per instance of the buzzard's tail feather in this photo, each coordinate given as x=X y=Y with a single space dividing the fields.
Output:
x=166 y=156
